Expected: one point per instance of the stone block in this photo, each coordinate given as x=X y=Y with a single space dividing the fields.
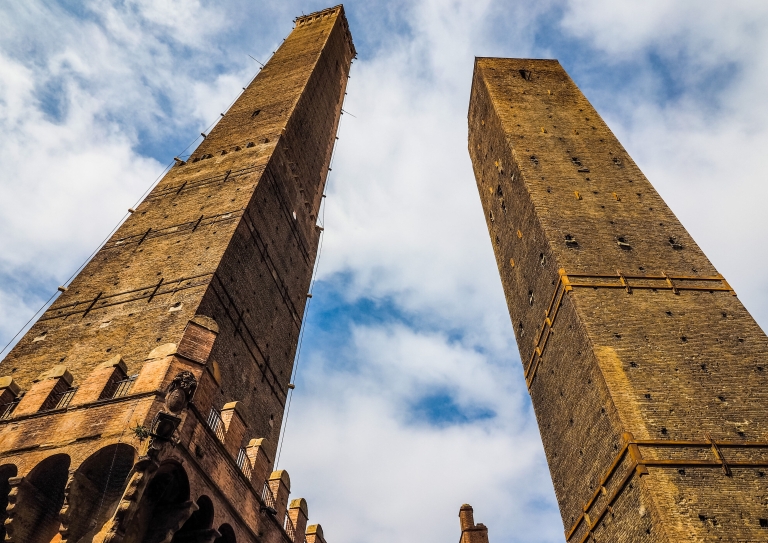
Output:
x=298 y=513
x=261 y=463
x=44 y=390
x=9 y=390
x=280 y=486
x=234 y=427
x=315 y=534
x=100 y=381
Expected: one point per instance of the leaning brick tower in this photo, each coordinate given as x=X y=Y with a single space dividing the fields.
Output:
x=647 y=374
x=145 y=405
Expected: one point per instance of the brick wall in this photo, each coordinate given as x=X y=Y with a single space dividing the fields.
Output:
x=209 y=276
x=635 y=350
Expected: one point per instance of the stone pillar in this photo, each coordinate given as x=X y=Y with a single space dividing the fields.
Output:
x=280 y=485
x=471 y=532
x=299 y=515
x=234 y=427
x=315 y=534
x=261 y=464
x=198 y=338
x=9 y=391
x=97 y=383
x=44 y=390
x=155 y=369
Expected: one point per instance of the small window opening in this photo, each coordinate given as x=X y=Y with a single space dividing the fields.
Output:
x=542 y=259
x=499 y=192
x=570 y=241
x=623 y=244
x=490 y=216
x=503 y=206
x=534 y=160
x=250 y=144
x=617 y=161
x=576 y=161
x=530 y=297
x=255 y=113
x=525 y=74
x=676 y=245
x=764 y=522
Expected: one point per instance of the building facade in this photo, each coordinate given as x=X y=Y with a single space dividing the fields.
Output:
x=145 y=405
x=647 y=375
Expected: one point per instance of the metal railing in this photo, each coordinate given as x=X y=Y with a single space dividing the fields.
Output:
x=6 y=411
x=288 y=526
x=122 y=387
x=64 y=399
x=244 y=463
x=216 y=424
x=266 y=496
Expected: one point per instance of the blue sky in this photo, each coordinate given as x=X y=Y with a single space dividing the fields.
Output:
x=410 y=399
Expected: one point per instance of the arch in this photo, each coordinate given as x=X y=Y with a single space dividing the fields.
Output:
x=163 y=507
x=227 y=534
x=198 y=529
x=6 y=472
x=94 y=490
x=34 y=515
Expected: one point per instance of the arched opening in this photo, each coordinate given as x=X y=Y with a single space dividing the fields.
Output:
x=198 y=529
x=164 y=506
x=227 y=534
x=35 y=516
x=6 y=472
x=95 y=490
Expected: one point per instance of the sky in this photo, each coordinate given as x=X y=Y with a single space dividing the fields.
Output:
x=409 y=397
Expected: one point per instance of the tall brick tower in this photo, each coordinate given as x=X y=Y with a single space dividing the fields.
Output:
x=145 y=405
x=647 y=375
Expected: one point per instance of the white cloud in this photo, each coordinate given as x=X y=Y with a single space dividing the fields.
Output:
x=81 y=102
x=394 y=478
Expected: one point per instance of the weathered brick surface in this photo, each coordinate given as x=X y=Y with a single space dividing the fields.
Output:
x=471 y=532
x=560 y=192
x=298 y=514
x=205 y=283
